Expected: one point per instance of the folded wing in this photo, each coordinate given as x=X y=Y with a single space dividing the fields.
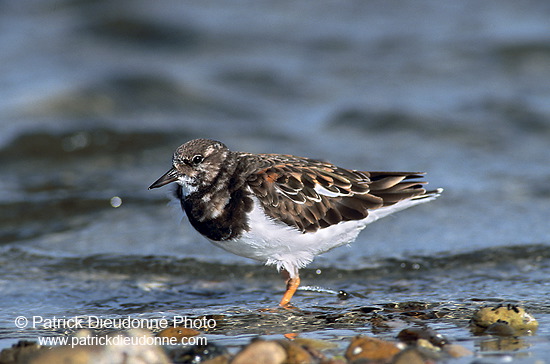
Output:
x=311 y=195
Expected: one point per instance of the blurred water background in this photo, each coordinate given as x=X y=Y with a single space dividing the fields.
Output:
x=96 y=95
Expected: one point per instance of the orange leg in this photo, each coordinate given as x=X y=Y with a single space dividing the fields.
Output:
x=291 y=287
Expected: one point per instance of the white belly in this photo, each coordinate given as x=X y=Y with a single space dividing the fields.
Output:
x=276 y=243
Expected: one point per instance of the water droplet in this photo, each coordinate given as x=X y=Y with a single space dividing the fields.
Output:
x=116 y=201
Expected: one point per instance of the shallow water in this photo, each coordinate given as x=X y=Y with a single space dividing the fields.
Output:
x=96 y=95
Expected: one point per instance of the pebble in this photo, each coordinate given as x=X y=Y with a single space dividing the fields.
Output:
x=431 y=343
x=314 y=344
x=503 y=320
x=370 y=348
x=412 y=335
x=261 y=352
x=409 y=356
x=295 y=353
x=457 y=351
x=222 y=359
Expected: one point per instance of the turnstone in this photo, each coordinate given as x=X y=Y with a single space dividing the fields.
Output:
x=279 y=209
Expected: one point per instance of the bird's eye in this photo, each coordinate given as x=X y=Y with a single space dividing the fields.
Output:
x=197 y=159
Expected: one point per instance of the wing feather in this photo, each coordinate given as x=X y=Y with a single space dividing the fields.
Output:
x=309 y=195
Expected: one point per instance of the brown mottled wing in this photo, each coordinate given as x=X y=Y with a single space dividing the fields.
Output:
x=311 y=195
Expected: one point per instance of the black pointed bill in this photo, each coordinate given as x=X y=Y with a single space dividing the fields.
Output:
x=168 y=177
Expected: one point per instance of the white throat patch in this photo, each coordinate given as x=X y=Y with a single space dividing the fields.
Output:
x=187 y=187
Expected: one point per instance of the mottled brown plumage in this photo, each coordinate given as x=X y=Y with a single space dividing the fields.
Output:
x=287 y=186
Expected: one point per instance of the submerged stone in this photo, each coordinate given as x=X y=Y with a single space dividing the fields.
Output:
x=506 y=320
